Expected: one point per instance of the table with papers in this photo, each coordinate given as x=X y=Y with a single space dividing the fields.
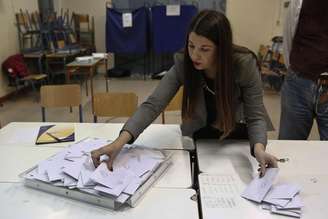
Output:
x=14 y=160
x=19 y=202
x=303 y=171
x=19 y=153
x=25 y=133
x=72 y=172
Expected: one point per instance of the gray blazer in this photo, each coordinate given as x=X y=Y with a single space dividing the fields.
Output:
x=248 y=97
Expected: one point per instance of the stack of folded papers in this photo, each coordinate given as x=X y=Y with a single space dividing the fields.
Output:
x=99 y=55
x=84 y=59
x=281 y=199
x=73 y=168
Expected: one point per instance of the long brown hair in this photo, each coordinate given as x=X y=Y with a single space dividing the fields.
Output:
x=214 y=26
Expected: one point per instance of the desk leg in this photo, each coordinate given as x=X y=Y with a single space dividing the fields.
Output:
x=106 y=79
x=86 y=86
x=40 y=65
x=68 y=78
x=68 y=75
x=47 y=70
x=65 y=62
x=92 y=69
x=106 y=75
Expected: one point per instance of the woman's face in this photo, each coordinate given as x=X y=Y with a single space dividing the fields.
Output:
x=202 y=52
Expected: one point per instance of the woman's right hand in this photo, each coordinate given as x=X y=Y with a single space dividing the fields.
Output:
x=111 y=150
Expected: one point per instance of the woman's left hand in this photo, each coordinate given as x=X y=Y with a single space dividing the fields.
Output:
x=265 y=159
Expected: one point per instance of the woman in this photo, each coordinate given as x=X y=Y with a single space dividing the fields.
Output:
x=222 y=92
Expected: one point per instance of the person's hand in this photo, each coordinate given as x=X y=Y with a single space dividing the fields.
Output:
x=265 y=159
x=111 y=150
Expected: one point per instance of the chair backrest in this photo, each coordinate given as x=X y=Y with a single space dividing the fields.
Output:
x=114 y=104
x=82 y=22
x=35 y=20
x=175 y=104
x=60 y=96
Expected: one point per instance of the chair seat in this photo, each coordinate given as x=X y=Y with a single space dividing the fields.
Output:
x=35 y=77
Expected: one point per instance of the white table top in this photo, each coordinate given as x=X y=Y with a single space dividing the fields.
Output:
x=156 y=135
x=306 y=167
x=305 y=157
x=224 y=157
x=314 y=195
x=18 y=202
x=178 y=175
x=14 y=160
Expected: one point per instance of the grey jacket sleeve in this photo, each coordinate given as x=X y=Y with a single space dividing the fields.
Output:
x=252 y=95
x=149 y=110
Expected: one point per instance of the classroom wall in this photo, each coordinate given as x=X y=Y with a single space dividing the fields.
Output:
x=253 y=22
x=94 y=8
x=8 y=34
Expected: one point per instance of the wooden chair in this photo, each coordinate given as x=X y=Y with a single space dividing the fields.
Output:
x=114 y=104
x=175 y=104
x=60 y=96
x=85 y=30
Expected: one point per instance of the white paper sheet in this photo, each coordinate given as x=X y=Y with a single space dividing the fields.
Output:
x=296 y=202
x=284 y=212
x=220 y=196
x=173 y=10
x=259 y=187
x=284 y=191
x=127 y=20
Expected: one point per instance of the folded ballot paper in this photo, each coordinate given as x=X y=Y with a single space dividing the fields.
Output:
x=84 y=59
x=134 y=169
x=99 y=55
x=281 y=199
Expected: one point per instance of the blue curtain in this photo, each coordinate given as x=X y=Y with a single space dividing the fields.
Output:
x=169 y=32
x=128 y=40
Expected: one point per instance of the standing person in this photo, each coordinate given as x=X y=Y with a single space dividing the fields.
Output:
x=222 y=98
x=304 y=95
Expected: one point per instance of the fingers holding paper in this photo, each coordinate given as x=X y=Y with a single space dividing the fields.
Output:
x=265 y=159
x=109 y=151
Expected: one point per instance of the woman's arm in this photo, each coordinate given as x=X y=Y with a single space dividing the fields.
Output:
x=251 y=87
x=149 y=110
x=252 y=96
x=144 y=116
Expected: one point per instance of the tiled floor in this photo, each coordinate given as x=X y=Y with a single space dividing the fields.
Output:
x=24 y=108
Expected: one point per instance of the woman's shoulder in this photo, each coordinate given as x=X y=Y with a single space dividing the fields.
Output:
x=242 y=55
x=179 y=62
x=178 y=58
x=245 y=64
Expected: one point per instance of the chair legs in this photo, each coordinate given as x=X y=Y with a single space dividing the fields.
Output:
x=43 y=111
x=80 y=113
x=106 y=79
x=163 y=117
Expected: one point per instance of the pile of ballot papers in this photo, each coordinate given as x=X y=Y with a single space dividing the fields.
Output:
x=84 y=59
x=73 y=168
x=281 y=199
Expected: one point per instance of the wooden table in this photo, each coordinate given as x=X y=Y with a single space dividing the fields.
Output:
x=306 y=167
x=170 y=196
x=18 y=202
x=60 y=58
x=90 y=67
